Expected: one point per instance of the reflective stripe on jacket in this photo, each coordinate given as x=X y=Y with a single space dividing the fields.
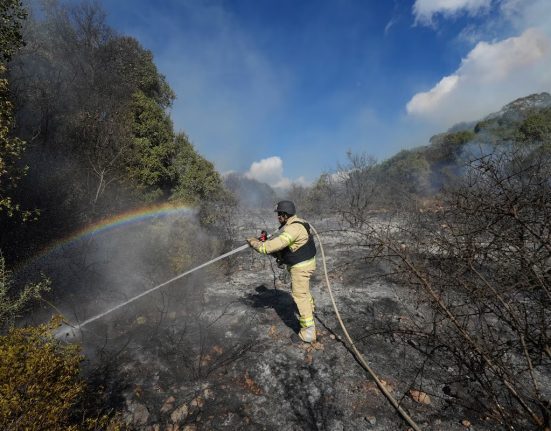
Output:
x=294 y=236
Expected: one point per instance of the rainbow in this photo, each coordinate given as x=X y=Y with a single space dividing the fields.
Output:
x=114 y=222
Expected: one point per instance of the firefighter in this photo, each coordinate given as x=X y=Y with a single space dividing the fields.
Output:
x=294 y=247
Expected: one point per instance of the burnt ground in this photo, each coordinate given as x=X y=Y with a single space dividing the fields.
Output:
x=216 y=351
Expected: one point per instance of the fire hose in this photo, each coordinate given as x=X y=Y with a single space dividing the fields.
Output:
x=79 y=326
x=359 y=357
x=263 y=237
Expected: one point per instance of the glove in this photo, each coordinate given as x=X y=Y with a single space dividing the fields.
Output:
x=254 y=242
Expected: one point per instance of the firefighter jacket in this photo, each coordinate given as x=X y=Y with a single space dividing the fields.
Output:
x=295 y=244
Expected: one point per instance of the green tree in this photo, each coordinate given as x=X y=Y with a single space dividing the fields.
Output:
x=153 y=148
x=536 y=128
x=12 y=14
x=446 y=148
x=11 y=148
x=407 y=173
x=198 y=180
x=198 y=183
x=92 y=106
x=132 y=68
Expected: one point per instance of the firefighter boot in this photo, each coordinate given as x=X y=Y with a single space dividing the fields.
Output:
x=308 y=335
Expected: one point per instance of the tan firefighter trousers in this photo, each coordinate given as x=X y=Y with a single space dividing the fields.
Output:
x=300 y=290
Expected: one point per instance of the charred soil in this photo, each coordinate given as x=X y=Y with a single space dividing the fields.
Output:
x=216 y=351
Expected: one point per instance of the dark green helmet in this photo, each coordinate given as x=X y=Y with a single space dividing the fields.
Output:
x=286 y=207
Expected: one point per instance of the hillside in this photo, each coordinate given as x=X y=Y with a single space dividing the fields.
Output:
x=428 y=168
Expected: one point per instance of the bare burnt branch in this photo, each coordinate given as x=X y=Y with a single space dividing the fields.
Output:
x=480 y=265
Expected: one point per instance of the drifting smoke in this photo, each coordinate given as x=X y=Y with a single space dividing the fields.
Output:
x=96 y=272
x=251 y=193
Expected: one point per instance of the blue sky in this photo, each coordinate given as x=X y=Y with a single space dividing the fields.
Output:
x=281 y=89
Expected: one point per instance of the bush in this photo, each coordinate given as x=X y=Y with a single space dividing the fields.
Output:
x=11 y=306
x=41 y=384
x=480 y=268
x=40 y=379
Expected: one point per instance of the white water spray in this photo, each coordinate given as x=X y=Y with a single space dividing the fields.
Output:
x=70 y=330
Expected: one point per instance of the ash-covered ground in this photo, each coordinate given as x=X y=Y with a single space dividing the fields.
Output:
x=214 y=350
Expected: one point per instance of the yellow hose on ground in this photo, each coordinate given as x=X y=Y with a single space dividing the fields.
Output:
x=356 y=352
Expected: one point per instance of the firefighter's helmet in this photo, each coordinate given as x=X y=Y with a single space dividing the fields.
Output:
x=286 y=207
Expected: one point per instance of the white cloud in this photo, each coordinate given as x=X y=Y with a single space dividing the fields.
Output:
x=495 y=62
x=424 y=10
x=270 y=171
x=426 y=102
x=490 y=76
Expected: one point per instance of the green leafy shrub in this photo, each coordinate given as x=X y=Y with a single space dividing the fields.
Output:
x=40 y=379
x=42 y=388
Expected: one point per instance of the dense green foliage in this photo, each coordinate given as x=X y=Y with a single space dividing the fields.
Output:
x=92 y=106
x=447 y=148
x=11 y=148
x=152 y=150
x=407 y=172
x=42 y=387
x=94 y=110
x=536 y=127
x=424 y=171
x=12 y=14
x=197 y=180
x=40 y=381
